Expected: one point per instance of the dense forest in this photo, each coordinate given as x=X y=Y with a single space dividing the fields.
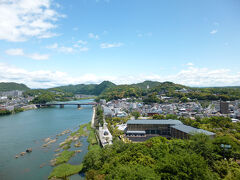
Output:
x=200 y=158
x=10 y=86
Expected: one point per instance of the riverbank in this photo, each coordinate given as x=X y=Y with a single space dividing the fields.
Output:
x=4 y=112
x=93 y=117
x=64 y=169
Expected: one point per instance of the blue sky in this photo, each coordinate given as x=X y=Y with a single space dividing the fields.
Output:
x=46 y=43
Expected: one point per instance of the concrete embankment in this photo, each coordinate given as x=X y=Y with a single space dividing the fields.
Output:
x=29 y=107
x=93 y=117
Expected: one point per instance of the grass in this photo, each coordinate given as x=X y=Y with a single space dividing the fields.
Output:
x=81 y=131
x=65 y=170
x=93 y=143
x=66 y=145
x=64 y=157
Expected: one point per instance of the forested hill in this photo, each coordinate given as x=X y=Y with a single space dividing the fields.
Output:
x=90 y=89
x=10 y=86
x=140 y=89
x=147 y=89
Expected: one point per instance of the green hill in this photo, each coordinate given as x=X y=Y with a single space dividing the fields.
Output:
x=147 y=84
x=10 y=86
x=90 y=89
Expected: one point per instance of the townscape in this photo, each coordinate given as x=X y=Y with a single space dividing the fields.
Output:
x=122 y=107
x=119 y=90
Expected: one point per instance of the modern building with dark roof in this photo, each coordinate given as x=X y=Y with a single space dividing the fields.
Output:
x=183 y=131
x=141 y=130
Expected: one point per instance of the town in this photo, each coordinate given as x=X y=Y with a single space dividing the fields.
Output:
x=14 y=100
x=125 y=106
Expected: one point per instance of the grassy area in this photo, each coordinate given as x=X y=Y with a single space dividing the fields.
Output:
x=81 y=131
x=64 y=157
x=91 y=137
x=65 y=170
x=66 y=145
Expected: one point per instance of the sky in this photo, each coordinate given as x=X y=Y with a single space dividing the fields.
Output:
x=48 y=43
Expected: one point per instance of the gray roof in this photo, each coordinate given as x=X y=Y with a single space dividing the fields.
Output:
x=136 y=132
x=191 y=130
x=153 y=121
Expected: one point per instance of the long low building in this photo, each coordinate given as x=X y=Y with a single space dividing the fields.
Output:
x=141 y=130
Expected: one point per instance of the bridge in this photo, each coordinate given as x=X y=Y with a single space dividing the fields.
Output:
x=61 y=105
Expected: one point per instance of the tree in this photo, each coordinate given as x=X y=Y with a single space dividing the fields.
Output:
x=184 y=99
x=136 y=114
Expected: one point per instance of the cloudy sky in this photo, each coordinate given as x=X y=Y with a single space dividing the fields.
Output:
x=46 y=43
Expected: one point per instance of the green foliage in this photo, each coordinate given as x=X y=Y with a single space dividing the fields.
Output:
x=90 y=89
x=151 y=98
x=121 y=91
x=158 y=116
x=16 y=110
x=42 y=96
x=7 y=112
x=157 y=158
x=99 y=116
x=168 y=116
x=65 y=170
x=184 y=99
x=136 y=114
x=144 y=85
x=64 y=157
x=91 y=136
x=10 y=86
x=4 y=112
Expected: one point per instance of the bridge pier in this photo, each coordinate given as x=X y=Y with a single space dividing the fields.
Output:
x=61 y=105
x=79 y=106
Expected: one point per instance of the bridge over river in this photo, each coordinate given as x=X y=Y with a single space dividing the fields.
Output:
x=61 y=104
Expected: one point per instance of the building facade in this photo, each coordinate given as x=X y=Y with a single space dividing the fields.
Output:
x=141 y=130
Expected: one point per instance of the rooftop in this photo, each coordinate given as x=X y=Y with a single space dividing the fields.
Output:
x=191 y=130
x=155 y=121
x=136 y=132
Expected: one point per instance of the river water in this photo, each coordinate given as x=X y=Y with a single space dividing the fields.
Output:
x=29 y=129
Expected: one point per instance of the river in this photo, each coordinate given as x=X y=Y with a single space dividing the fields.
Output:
x=29 y=129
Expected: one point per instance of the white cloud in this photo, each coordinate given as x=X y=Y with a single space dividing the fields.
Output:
x=214 y=31
x=79 y=46
x=23 y=19
x=190 y=64
x=190 y=76
x=52 y=46
x=63 y=49
x=37 y=56
x=93 y=36
x=15 y=52
x=20 y=52
x=110 y=45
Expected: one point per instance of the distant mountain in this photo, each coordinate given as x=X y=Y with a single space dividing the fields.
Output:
x=168 y=86
x=90 y=89
x=147 y=84
x=139 y=89
x=10 y=86
x=103 y=86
